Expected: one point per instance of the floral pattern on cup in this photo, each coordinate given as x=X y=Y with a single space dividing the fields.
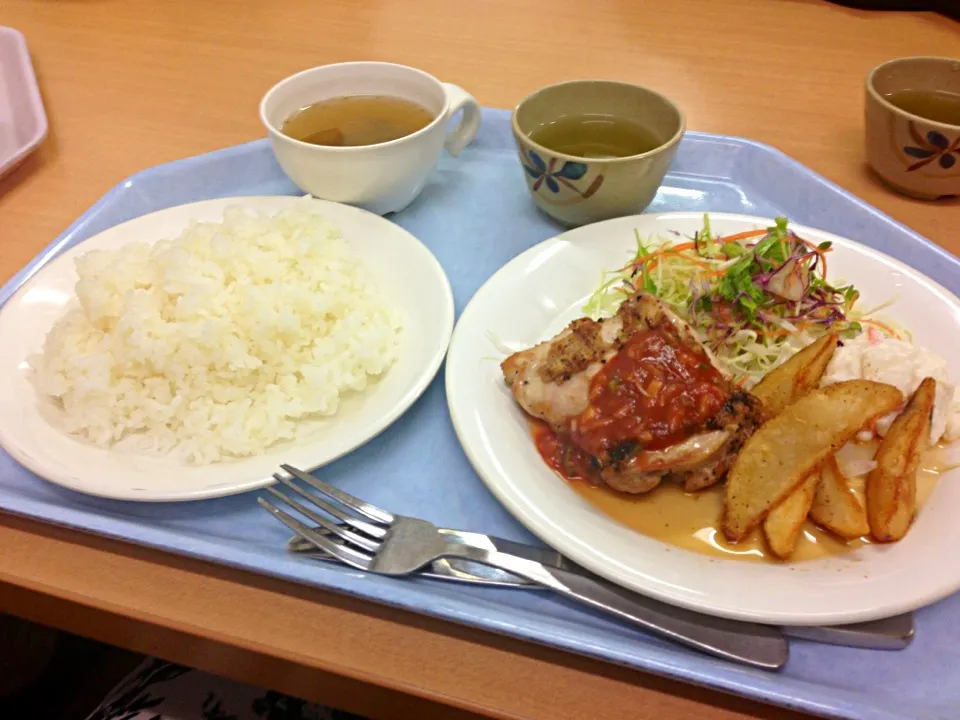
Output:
x=934 y=147
x=546 y=174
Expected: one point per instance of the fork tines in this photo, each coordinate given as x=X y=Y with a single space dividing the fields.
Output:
x=352 y=530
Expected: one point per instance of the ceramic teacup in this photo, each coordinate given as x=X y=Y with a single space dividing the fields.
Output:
x=578 y=190
x=382 y=178
x=912 y=154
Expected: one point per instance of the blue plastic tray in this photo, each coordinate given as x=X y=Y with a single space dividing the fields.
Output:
x=475 y=215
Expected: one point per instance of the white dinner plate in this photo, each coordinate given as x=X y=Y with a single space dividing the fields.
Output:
x=406 y=271
x=539 y=292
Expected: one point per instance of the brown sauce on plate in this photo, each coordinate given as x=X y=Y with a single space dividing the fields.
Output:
x=692 y=520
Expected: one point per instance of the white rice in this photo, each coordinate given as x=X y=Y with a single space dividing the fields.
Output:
x=217 y=344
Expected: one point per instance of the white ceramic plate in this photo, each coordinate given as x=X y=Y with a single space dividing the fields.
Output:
x=536 y=294
x=407 y=271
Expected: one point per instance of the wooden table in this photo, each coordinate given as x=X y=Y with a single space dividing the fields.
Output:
x=132 y=83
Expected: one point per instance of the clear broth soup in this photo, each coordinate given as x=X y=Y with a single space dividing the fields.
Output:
x=935 y=105
x=355 y=121
x=596 y=136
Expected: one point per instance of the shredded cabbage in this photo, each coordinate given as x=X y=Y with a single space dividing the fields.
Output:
x=754 y=298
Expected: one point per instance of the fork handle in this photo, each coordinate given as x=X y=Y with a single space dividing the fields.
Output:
x=756 y=645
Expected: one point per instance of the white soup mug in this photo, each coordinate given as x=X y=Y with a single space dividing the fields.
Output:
x=382 y=178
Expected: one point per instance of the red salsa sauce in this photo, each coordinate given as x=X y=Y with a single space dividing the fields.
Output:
x=654 y=392
x=562 y=456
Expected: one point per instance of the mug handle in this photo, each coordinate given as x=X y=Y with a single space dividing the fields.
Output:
x=462 y=135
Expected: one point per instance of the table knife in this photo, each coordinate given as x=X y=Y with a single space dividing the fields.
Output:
x=893 y=633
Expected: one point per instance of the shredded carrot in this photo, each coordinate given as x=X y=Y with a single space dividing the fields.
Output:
x=883 y=326
x=742 y=235
x=822 y=254
x=654 y=258
x=694 y=260
x=673 y=249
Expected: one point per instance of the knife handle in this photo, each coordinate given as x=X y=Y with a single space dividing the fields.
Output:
x=892 y=633
x=759 y=646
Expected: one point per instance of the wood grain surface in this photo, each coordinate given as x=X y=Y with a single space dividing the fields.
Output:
x=132 y=83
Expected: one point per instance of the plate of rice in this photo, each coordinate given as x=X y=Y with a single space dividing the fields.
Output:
x=186 y=353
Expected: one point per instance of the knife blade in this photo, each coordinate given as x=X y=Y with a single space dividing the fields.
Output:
x=756 y=645
x=893 y=633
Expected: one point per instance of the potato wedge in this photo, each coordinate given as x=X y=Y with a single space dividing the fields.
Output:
x=797 y=376
x=786 y=449
x=783 y=524
x=892 y=485
x=809 y=376
x=835 y=507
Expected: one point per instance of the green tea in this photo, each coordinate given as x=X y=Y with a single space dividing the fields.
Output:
x=357 y=120
x=936 y=105
x=596 y=136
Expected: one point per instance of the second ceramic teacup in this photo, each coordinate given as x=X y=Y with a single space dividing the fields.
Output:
x=913 y=154
x=382 y=178
x=576 y=190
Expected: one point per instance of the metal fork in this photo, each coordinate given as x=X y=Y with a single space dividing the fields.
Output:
x=379 y=541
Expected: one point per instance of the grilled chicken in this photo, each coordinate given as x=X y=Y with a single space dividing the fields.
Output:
x=639 y=394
